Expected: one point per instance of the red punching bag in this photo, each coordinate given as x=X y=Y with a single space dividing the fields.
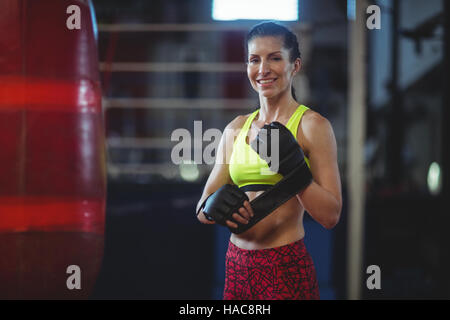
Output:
x=52 y=157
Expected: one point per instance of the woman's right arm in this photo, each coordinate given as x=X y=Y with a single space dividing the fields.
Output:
x=220 y=174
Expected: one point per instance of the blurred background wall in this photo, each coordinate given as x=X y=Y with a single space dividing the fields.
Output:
x=165 y=64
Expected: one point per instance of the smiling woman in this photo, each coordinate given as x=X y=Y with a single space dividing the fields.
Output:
x=268 y=260
x=271 y=50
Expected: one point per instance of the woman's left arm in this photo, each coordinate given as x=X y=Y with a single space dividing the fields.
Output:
x=322 y=199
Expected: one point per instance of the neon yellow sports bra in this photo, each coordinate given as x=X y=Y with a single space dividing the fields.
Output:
x=246 y=167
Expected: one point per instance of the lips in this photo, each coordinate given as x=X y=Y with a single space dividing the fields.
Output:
x=266 y=82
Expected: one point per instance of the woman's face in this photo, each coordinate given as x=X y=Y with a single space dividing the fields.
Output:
x=268 y=67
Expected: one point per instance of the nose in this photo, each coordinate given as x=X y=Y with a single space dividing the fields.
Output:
x=264 y=67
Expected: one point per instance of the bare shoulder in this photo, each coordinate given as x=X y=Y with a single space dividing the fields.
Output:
x=314 y=123
x=314 y=120
x=230 y=134
x=238 y=122
x=233 y=128
x=314 y=130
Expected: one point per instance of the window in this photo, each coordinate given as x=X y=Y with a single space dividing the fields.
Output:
x=283 y=10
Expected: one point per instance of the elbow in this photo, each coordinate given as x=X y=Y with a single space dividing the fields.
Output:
x=333 y=219
x=328 y=213
x=334 y=216
x=330 y=224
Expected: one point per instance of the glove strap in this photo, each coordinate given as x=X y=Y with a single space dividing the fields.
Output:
x=285 y=189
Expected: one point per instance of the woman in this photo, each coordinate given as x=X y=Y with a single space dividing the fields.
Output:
x=269 y=260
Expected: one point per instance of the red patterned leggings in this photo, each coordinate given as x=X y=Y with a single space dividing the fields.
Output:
x=282 y=273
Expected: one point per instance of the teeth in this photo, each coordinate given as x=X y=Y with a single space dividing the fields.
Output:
x=265 y=81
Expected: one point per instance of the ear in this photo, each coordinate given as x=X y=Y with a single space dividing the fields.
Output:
x=297 y=66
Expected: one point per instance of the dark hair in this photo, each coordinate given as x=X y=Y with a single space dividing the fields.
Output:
x=274 y=29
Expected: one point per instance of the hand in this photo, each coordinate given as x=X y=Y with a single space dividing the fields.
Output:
x=228 y=206
x=244 y=216
x=290 y=154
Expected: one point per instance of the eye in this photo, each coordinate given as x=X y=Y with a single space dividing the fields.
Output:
x=253 y=60
x=276 y=58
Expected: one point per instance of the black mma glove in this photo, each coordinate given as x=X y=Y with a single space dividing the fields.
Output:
x=221 y=205
x=291 y=155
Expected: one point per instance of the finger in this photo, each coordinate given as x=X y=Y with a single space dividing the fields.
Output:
x=249 y=208
x=238 y=218
x=209 y=222
x=244 y=213
x=231 y=224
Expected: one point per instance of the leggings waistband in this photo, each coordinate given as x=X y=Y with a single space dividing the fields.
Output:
x=282 y=254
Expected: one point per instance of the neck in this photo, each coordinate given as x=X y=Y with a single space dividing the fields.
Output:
x=276 y=108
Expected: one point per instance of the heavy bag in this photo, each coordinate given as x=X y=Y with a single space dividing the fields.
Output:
x=52 y=150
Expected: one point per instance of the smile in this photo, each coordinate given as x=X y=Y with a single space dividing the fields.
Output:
x=266 y=81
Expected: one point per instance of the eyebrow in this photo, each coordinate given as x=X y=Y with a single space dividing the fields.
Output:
x=270 y=54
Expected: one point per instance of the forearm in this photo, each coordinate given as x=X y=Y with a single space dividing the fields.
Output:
x=321 y=204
